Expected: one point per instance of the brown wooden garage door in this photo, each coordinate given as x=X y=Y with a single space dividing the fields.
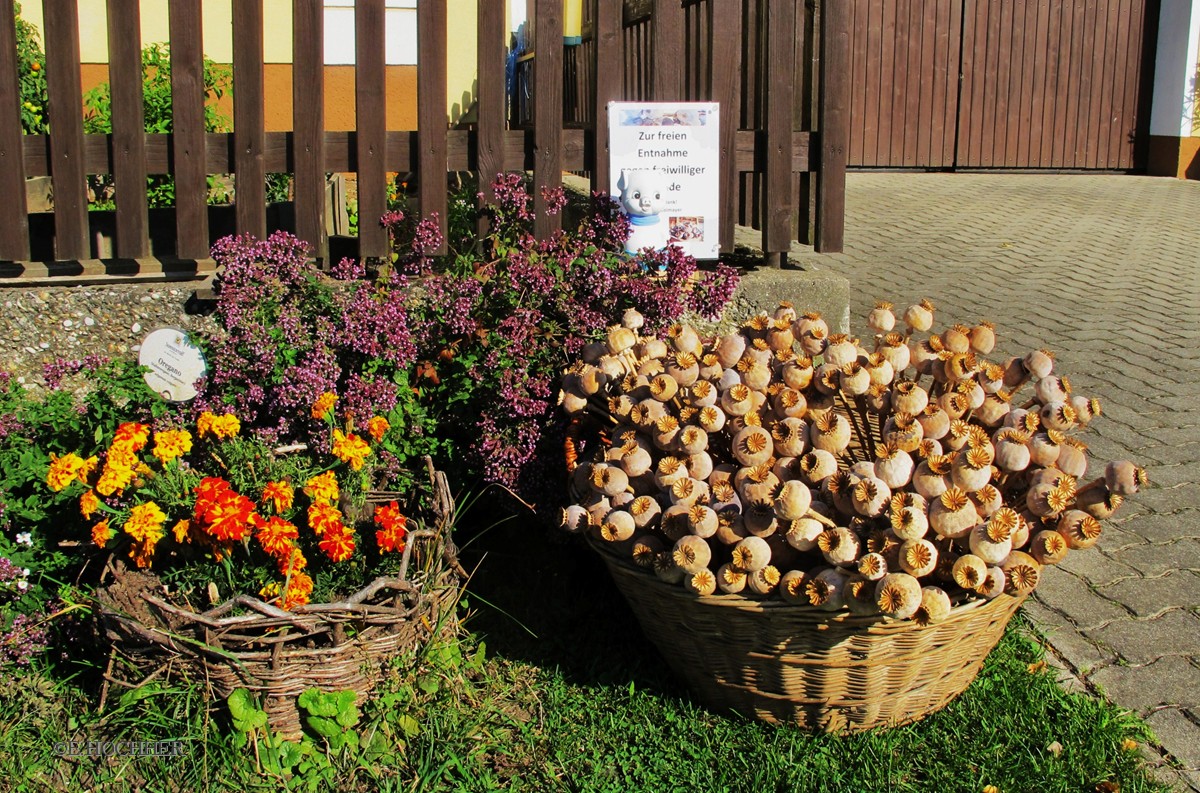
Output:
x=998 y=83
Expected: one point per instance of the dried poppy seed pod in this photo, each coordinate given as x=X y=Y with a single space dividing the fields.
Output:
x=970 y=572
x=881 y=319
x=663 y=388
x=691 y=553
x=701 y=394
x=1044 y=449
x=785 y=310
x=952 y=514
x=894 y=467
x=956 y=339
x=763 y=581
x=870 y=496
x=991 y=551
x=644 y=549
x=1021 y=573
x=618 y=526
x=684 y=367
x=728 y=379
x=668 y=471
x=797 y=373
x=934 y=421
x=930 y=479
x=780 y=335
x=736 y=401
x=790 y=436
x=673 y=522
x=831 y=433
x=793 y=500
x=993 y=409
x=1098 y=502
x=898 y=595
x=664 y=433
x=909 y=523
x=572 y=402
x=819 y=404
x=858 y=594
x=632 y=319
x=1039 y=363
x=645 y=510
x=688 y=491
x=684 y=338
x=1046 y=500
x=919 y=317
x=918 y=557
x=929 y=448
x=760 y=519
x=692 y=440
x=730 y=348
x=699 y=465
x=880 y=370
x=993 y=583
x=855 y=379
x=750 y=554
x=803 y=533
x=839 y=546
x=983 y=338
x=1052 y=389
x=756 y=484
x=1057 y=415
x=872 y=566
x=711 y=419
x=620 y=339
x=903 y=431
x=574 y=519
x=987 y=500
x=971 y=469
x=666 y=569
x=824 y=589
x=1079 y=529
x=792 y=587
x=752 y=446
x=729 y=580
x=893 y=348
x=990 y=377
x=958 y=434
x=810 y=324
x=756 y=375
x=1072 y=458
x=817 y=465
x=1085 y=409
x=841 y=350
x=635 y=460
x=954 y=404
x=1048 y=547
x=609 y=479
x=1012 y=449
x=934 y=608
x=908 y=397
x=1124 y=478
x=702 y=520
x=731 y=526
x=701 y=583
x=827 y=379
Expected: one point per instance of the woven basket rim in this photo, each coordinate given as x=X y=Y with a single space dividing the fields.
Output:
x=843 y=618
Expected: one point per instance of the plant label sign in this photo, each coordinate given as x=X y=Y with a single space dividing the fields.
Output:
x=664 y=160
x=175 y=364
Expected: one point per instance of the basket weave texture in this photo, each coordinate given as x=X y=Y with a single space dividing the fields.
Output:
x=278 y=654
x=784 y=663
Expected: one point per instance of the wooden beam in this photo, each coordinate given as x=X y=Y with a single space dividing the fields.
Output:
x=188 y=149
x=308 y=121
x=66 y=133
x=431 y=110
x=831 y=191
x=14 y=217
x=547 y=113
x=129 y=128
x=249 y=123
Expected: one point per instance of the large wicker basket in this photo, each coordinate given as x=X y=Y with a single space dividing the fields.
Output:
x=783 y=663
x=277 y=654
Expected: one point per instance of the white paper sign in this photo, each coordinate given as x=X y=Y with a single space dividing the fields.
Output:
x=175 y=364
x=664 y=158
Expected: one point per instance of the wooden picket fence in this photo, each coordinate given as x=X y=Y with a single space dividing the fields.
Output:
x=782 y=162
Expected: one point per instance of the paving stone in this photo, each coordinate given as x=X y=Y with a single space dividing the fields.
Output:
x=1154 y=560
x=1171 y=680
x=1178 y=735
x=1170 y=499
x=1080 y=652
x=1072 y=596
x=1164 y=527
x=1142 y=641
x=1149 y=596
x=1093 y=565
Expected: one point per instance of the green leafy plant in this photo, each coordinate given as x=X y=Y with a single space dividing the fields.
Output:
x=31 y=77
x=331 y=715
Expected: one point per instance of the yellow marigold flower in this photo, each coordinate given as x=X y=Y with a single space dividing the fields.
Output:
x=101 y=533
x=338 y=543
x=88 y=467
x=89 y=503
x=322 y=489
x=63 y=470
x=114 y=479
x=350 y=449
x=322 y=516
x=270 y=591
x=132 y=435
x=323 y=405
x=142 y=553
x=180 y=530
x=145 y=522
x=280 y=494
x=377 y=427
x=170 y=444
x=225 y=426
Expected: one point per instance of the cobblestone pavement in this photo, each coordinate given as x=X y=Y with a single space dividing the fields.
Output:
x=1105 y=271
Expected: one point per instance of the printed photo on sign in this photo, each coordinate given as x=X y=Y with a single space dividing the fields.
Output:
x=664 y=159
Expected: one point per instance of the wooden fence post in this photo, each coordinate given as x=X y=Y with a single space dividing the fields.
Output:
x=249 y=136
x=66 y=132
x=666 y=51
x=188 y=159
x=308 y=123
x=547 y=112
x=431 y=111
x=14 y=213
x=607 y=76
x=491 y=53
x=726 y=17
x=780 y=68
x=370 y=96
x=128 y=128
x=834 y=89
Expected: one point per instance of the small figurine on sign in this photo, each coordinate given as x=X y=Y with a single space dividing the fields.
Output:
x=642 y=199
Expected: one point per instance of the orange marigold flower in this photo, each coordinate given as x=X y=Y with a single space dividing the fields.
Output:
x=170 y=444
x=275 y=535
x=229 y=518
x=377 y=427
x=322 y=488
x=63 y=470
x=132 y=435
x=208 y=491
x=145 y=523
x=101 y=533
x=86 y=470
x=323 y=405
x=338 y=543
x=118 y=469
x=391 y=536
x=350 y=449
x=89 y=503
x=291 y=559
x=142 y=553
x=279 y=494
x=323 y=517
x=299 y=590
x=180 y=530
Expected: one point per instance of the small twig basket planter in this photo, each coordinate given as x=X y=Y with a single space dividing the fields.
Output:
x=278 y=654
x=784 y=663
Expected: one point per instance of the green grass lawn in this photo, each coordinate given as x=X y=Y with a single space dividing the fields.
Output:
x=569 y=696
